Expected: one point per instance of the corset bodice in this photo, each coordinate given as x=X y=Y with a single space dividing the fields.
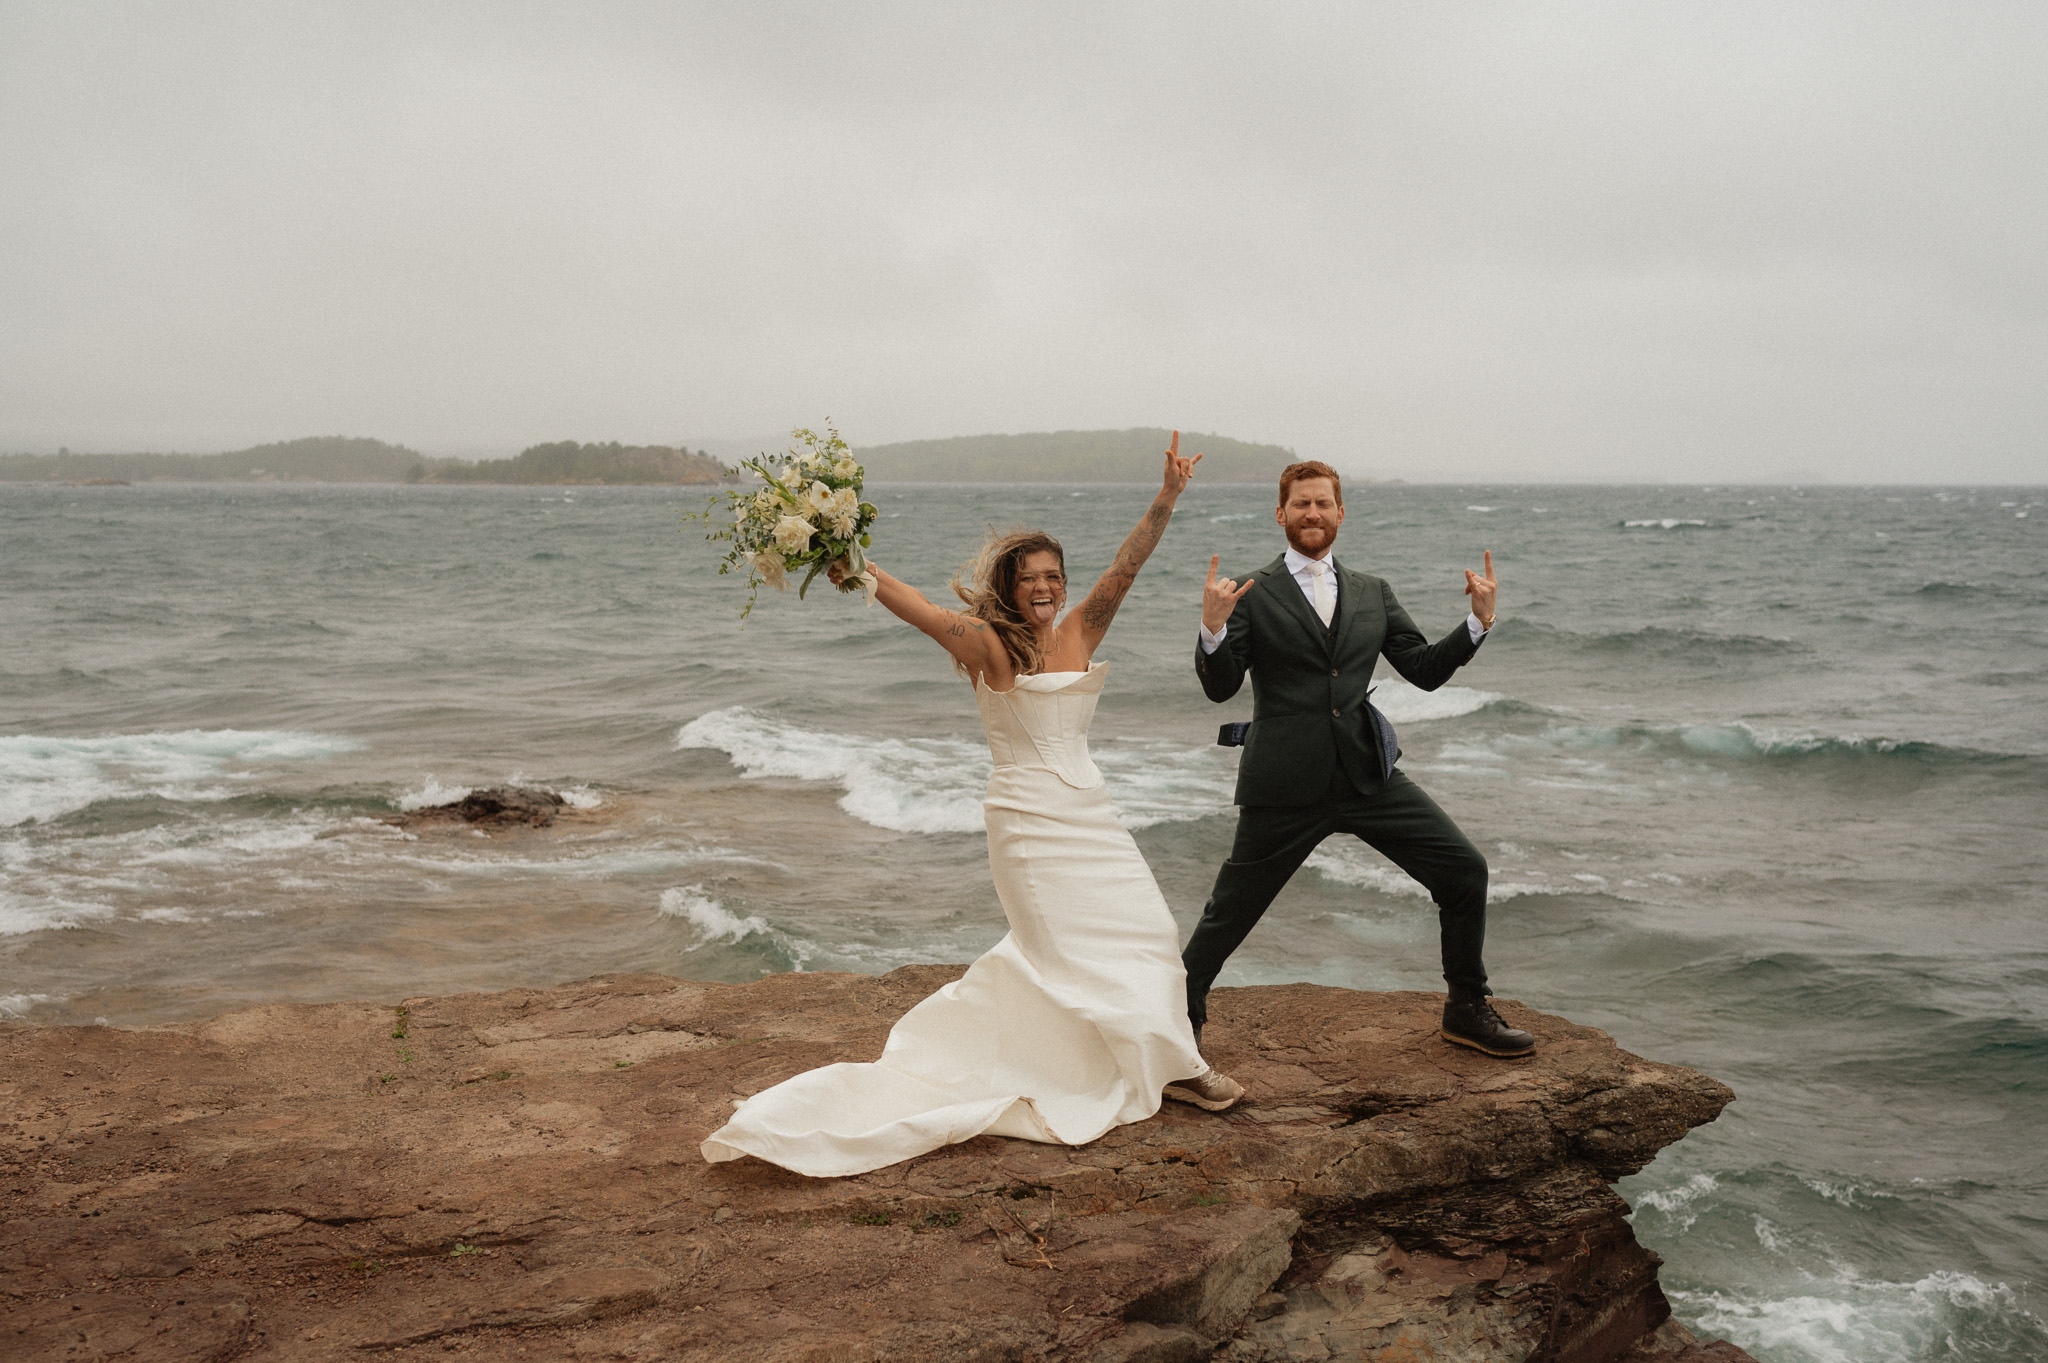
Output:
x=1042 y=722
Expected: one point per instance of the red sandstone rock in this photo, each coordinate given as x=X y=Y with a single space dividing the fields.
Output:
x=515 y=1176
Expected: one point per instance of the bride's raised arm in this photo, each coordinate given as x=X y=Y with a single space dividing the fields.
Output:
x=1092 y=619
x=971 y=642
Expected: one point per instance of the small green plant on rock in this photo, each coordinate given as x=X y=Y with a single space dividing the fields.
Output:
x=869 y=1218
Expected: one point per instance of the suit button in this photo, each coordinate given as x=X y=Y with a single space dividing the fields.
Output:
x=1333 y=671
x=1337 y=713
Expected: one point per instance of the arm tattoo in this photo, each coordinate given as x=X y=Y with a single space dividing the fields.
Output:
x=1109 y=593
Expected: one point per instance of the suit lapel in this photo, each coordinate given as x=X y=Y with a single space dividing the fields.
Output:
x=1295 y=603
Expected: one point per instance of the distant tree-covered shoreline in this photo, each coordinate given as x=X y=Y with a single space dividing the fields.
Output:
x=319 y=459
x=349 y=459
x=566 y=461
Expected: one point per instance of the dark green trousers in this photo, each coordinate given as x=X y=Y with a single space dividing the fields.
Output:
x=1397 y=819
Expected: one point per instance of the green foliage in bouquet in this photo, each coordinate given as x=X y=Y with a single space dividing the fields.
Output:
x=806 y=515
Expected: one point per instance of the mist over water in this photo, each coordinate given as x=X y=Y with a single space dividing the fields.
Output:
x=1761 y=774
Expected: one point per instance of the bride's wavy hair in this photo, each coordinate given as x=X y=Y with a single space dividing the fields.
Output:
x=987 y=583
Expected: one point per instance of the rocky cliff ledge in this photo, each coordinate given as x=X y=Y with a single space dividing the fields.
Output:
x=516 y=1176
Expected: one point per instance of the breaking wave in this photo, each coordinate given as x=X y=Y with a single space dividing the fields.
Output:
x=1851 y=1320
x=45 y=778
x=710 y=923
x=1747 y=743
x=935 y=785
x=1349 y=863
x=1405 y=704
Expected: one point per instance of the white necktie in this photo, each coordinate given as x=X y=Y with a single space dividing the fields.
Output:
x=1321 y=595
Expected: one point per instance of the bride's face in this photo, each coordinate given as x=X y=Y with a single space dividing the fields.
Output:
x=1041 y=588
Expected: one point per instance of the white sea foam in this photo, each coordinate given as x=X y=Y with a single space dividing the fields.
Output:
x=1405 y=704
x=1849 y=1320
x=935 y=785
x=1351 y=863
x=712 y=920
x=914 y=785
x=44 y=778
x=431 y=793
x=20 y=914
x=1664 y=523
x=1678 y=1203
x=711 y=923
x=580 y=797
x=17 y=1005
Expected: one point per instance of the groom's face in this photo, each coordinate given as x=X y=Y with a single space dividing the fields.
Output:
x=1311 y=515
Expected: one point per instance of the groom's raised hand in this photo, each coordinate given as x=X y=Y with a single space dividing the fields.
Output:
x=1481 y=590
x=1220 y=597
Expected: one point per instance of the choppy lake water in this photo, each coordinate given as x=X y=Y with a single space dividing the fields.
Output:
x=1762 y=774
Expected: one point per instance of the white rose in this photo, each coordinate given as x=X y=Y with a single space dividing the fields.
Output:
x=769 y=566
x=794 y=533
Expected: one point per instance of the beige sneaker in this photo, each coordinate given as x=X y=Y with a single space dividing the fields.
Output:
x=1207 y=1090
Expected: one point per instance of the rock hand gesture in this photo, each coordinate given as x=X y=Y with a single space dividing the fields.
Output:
x=1220 y=597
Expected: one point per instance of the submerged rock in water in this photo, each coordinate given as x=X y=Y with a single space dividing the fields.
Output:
x=495 y=806
x=517 y=1174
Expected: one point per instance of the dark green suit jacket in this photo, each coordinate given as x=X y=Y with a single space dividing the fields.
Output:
x=1309 y=684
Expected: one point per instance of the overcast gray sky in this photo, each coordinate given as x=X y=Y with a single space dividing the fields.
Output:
x=1709 y=241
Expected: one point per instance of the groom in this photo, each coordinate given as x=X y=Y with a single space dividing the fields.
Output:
x=1318 y=759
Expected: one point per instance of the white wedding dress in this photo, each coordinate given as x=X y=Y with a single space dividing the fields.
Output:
x=1070 y=1025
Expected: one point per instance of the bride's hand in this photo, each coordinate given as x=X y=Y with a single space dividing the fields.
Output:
x=1178 y=470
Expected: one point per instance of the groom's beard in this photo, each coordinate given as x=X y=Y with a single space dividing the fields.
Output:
x=1311 y=540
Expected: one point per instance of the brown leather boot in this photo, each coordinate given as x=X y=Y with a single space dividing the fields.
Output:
x=1472 y=1022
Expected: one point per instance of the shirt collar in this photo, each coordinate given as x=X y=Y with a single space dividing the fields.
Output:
x=1297 y=562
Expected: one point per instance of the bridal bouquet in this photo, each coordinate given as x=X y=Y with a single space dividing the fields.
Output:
x=806 y=516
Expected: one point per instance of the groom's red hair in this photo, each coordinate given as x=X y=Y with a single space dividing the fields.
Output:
x=1309 y=468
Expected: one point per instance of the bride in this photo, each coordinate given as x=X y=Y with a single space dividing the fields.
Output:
x=1077 y=1020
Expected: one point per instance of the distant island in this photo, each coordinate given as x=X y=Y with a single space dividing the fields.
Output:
x=1132 y=456
x=347 y=459
x=565 y=461
x=320 y=459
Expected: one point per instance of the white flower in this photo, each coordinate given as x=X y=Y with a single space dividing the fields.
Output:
x=767 y=499
x=769 y=566
x=846 y=468
x=842 y=512
x=793 y=533
x=818 y=498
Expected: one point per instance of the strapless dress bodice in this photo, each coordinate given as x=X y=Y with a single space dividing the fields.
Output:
x=1042 y=723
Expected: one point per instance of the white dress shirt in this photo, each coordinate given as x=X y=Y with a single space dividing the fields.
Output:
x=1297 y=566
